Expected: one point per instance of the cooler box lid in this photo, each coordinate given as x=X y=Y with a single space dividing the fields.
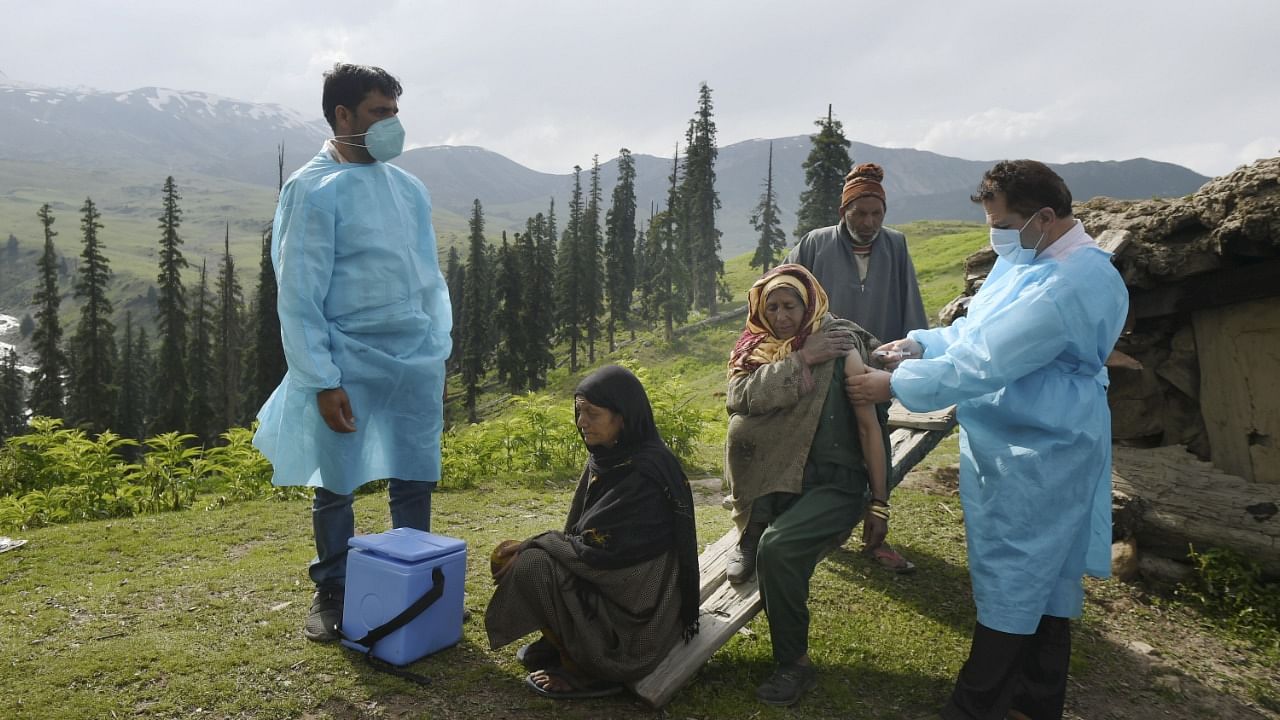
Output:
x=408 y=544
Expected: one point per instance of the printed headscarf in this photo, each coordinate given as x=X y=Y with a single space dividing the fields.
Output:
x=758 y=345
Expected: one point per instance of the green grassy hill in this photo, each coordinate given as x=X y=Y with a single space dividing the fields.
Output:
x=198 y=613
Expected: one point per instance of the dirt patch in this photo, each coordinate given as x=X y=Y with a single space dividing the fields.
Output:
x=708 y=491
x=943 y=480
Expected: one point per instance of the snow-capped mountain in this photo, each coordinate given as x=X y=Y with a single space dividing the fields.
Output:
x=178 y=130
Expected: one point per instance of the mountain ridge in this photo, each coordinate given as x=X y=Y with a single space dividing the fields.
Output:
x=117 y=147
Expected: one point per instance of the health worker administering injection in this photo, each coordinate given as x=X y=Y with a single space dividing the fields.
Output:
x=1025 y=370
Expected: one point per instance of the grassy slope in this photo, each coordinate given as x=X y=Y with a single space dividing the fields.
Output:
x=199 y=613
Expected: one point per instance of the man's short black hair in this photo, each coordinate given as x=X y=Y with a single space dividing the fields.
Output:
x=347 y=84
x=1028 y=185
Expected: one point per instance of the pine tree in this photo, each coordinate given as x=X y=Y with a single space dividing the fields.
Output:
x=130 y=380
x=702 y=252
x=93 y=345
x=619 y=249
x=765 y=220
x=570 y=310
x=267 y=367
x=200 y=413
x=228 y=345
x=642 y=276
x=536 y=258
x=172 y=393
x=824 y=172
x=476 y=310
x=143 y=375
x=589 y=262
x=47 y=392
x=664 y=266
x=455 y=278
x=13 y=419
x=512 y=344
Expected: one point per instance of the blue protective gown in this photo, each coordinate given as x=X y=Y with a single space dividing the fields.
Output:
x=363 y=306
x=1025 y=369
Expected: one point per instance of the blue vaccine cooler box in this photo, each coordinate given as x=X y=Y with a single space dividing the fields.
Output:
x=387 y=573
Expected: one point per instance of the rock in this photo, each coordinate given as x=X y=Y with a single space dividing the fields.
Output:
x=1124 y=559
x=1171 y=684
x=1141 y=648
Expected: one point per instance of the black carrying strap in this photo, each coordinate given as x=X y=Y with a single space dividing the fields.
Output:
x=406 y=616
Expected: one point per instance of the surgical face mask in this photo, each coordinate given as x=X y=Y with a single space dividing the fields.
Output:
x=1007 y=243
x=384 y=139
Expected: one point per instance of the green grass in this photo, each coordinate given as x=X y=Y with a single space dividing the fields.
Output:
x=199 y=613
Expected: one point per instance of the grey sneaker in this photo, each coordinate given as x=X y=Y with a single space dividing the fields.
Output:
x=325 y=616
x=785 y=686
x=742 y=558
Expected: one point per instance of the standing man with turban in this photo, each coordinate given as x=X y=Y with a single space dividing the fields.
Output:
x=868 y=276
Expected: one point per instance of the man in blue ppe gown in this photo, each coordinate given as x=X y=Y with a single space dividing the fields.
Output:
x=365 y=319
x=1025 y=369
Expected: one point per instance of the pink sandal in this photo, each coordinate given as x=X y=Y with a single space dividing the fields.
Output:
x=889 y=559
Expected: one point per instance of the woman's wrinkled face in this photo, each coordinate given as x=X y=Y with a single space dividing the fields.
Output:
x=600 y=426
x=783 y=310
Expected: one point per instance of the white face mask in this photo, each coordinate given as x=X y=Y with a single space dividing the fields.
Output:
x=1007 y=243
x=384 y=139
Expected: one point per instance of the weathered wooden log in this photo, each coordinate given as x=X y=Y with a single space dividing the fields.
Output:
x=1175 y=501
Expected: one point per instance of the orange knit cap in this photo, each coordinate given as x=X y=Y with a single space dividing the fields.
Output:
x=864 y=180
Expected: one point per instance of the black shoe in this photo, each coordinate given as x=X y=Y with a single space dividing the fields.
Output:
x=742 y=558
x=325 y=616
x=785 y=686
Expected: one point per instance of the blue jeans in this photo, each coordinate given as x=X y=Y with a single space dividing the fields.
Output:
x=334 y=523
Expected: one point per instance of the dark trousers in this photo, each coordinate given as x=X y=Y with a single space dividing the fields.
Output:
x=1004 y=672
x=334 y=522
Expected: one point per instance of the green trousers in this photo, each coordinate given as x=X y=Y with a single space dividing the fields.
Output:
x=803 y=527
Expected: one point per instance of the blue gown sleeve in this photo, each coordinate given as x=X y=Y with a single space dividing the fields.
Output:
x=1012 y=341
x=303 y=247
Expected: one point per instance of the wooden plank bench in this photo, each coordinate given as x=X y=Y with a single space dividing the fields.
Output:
x=725 y=607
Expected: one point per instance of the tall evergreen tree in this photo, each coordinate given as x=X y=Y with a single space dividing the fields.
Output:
x=512 y=343
x=201 y=421
x=701 y=201
x=228 y=346
x=824 y=172
x=619 y=249
x=476 y=310
x=172 y=388
x=144 y=373
x=537 y=313
x=267 y=367
x=93 y=344
x=766 y=222
x=642 y=278
x=13 y=419
x=47 y=392
x=455 y=278
x=664 y=262
x=130 y=418
x=589 y=262
x=570 y=305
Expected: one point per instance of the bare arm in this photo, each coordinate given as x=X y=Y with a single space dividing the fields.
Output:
x=871 y=436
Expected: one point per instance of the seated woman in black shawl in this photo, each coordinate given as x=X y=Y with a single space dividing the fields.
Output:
x=619 y=587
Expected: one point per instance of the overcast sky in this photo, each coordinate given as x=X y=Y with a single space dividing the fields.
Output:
x=549 y=83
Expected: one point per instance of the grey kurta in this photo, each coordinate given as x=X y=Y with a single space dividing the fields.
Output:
x=633 y=621
x=772 y=424
x=887 y=304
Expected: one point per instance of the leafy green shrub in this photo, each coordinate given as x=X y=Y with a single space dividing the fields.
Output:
x=536 y=440
x=1230 y=586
